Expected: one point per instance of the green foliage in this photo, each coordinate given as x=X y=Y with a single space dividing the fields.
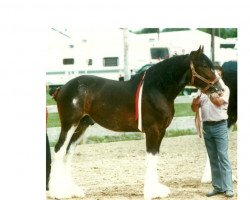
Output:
x=183 y=109
x=174 y=29
x=222 y=32
x=148 y=30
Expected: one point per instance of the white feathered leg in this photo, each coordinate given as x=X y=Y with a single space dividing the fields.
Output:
x=206 y=178
x=61 y=182
x=152 y=187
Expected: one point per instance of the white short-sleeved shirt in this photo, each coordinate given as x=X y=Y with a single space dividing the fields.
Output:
x=211 y=112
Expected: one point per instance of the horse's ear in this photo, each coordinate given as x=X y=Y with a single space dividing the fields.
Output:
x=196 y=54
x=199 y=51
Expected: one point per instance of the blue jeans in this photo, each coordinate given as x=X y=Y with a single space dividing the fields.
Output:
x=216 y=141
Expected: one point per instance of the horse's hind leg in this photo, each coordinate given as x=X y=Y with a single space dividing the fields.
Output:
x=61 y=181
x=75 y=140
x=152 y=186
x=58 y=185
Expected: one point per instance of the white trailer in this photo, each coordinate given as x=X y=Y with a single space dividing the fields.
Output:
x=97 y=53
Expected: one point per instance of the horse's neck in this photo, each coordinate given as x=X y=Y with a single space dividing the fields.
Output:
x=170 y=76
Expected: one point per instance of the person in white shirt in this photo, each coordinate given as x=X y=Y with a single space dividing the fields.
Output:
x=214 y=120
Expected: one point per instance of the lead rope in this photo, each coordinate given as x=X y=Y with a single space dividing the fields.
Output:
x=198 y=124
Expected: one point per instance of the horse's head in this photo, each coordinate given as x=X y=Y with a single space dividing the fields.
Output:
x=203 y=73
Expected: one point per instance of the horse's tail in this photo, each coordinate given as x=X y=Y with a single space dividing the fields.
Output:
x=54 y=92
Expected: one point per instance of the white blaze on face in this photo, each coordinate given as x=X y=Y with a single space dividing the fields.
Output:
x=218 y=75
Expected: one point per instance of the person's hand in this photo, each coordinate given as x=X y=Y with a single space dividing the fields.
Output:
x=215 y=95
x=196 y=100
x=215 y=99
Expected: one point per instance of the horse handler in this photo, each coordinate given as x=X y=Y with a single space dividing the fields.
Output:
x=214 y=117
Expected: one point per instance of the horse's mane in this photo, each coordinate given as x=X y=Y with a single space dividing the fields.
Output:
x=168 y=71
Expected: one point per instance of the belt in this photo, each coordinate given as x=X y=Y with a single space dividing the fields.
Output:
x=213 y=122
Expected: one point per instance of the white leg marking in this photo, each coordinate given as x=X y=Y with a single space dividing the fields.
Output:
x=152 y=187
x=75 y=101
x=206 y=178
x=61 y=183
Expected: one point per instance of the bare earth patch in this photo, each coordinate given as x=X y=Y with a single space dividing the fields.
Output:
x=116 y=170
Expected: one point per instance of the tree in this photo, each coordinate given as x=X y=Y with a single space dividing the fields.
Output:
x=148 y=30
x=174 y=29
x=222 y=32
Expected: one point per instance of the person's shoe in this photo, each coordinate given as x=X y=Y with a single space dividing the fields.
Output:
x=229 y=193
x=212 y=193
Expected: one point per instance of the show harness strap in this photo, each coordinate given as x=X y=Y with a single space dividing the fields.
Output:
x=138 y=102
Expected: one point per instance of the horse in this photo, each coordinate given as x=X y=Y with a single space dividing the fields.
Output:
x=86 y=100
x=229 y=76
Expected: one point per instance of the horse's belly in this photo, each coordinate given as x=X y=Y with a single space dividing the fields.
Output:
x=117 y=123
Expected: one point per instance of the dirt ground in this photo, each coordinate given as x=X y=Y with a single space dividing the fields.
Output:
x=116 y=170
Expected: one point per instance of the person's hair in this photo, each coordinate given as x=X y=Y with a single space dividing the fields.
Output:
x=217 y=66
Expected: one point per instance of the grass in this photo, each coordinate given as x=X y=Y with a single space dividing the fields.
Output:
x=135 y=136
x=49 y=100
x=53 y=120
x=107 y=138
x=175 y=133
x=130 y=136
x=181 y=110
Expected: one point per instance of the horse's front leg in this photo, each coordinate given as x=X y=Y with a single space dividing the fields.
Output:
x=152 y=186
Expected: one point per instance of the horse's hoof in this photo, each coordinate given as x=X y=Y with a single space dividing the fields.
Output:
x=206 y=180
x=56 y=194
x=67 y=193
x=156 y=191
x=234 y=179
x=77 y=191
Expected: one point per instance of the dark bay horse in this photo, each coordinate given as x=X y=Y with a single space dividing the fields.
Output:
x=86 y=100
x=229 y=76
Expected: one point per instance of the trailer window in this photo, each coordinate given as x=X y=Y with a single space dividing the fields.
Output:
x=90 y=62
x=159 y=53
x=110 y=61
x=68 y=61
x=231 y=46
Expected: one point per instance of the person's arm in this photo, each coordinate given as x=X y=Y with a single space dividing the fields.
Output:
x=195 y=104
x=216 y=99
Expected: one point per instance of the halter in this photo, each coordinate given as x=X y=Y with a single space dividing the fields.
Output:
x=209 y=83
